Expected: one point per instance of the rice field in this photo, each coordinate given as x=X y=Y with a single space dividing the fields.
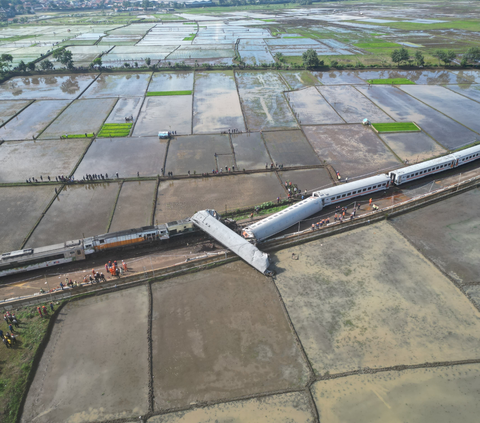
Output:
x=396 y=127
x=115 y=130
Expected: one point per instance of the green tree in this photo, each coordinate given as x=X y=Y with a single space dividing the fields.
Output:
x=46 y=65
x=6 y=58
x=280 y=57
x=419 y=58
x=472 y=54
x=446 y=56
x=64 y=56
x=146 y=3
x=22 y=66
x=310 y=59
x=400 y=55
x=31 y=66
x=148 y=61
x=97 y=62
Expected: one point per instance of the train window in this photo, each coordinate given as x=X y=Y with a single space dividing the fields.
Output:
x=349 y=193
x=374 y=187
x=354 y=192
x=343 y=195
x=102 y=241
x=79 y=252
x=369 y=188
x=364 y=189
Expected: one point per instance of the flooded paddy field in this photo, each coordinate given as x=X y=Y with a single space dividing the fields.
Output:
x=311 y=108
x=134 y=209
x=10 y=108
x=165 y=113
x=446 y=233
x=125 y=107
x=178 y=199
x=250 y=151
x=117 y=365
x=254 y=52
x=20 y=209
x=353 y=150
x=33 y=120
x=452 y=104
x=377 y=302
x=79 y=211
x=471 y=91
x=352 y=106
x=299 y=79
x=216 y=105
x=283 y=408
x=308 y=179
x=171 y=81
x=439 y=394
x=403 y=108
x=62 y=87
x=338 y=78
x=263 y=103
x=422 y=77
x=127 y=156
x=414 y=147
x=469 y=75
x=114 y=85
x=81 y=116
x=21 y=160
x=221 y=334
x=196 y=153
x=290 y=148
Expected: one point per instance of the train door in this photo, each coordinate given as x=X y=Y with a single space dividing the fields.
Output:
x=392 y=177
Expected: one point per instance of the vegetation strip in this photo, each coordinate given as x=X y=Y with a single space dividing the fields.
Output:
x=395 y=127
x=77 y=136
x=161 y=93
x=115 y=130
x=395 y=81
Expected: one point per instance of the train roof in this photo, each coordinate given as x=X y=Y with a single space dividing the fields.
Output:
x=127 y=232
x=424 y=165
x=361 y=183
x=467 y=151
x=39 y=251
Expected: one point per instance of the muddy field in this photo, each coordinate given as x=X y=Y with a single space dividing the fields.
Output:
x=81 y=116
x=285 y=408
x=311 y=108
x=352 y=106
x=403 y=108
x=125 y=107
x=128 y=85
x=299 y=79
x=66 y=87
x=221 y=334
x=311 y=179
x=22 y=160
x=178 y=199
x=133 y=209
x=197 y=153
x=435 y=395
x=377 y=302
x=354 y=150
x=33 y=120
x=250 y=151
x=216 y=104
x=171 y=81
x=127 y=156
x=290 y=148
x=79 y=211
x=446 y=233
x=263 y=103
x=165 y=113
x=20 y=209
x=414 y=147
x=83 y=372
x=10 y=108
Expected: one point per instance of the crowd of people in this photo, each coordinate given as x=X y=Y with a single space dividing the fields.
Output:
x=9 y=338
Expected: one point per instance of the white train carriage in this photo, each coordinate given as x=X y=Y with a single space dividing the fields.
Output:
x=282 y=220
x=420 y=170
x=42 y=257
x=341 y=193
x=178 y=227
x=467 y=155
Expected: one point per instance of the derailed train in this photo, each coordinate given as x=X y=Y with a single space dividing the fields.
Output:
x=52 y=255
x=288 y=217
